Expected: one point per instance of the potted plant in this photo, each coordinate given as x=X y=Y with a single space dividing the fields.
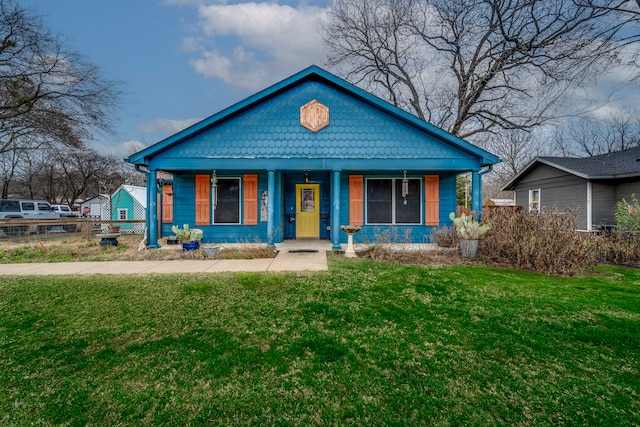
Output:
x=189 y=237
x=470 y=232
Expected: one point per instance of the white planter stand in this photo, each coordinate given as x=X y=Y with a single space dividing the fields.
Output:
x=350 y=230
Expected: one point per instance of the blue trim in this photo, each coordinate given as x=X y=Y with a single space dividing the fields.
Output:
x=476 y=194
x=270 y=207
x=152 y=210
x=335 y=213
x=207 y=164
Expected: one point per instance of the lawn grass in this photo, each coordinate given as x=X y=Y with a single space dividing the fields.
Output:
x=365 y=343
x=73 y=248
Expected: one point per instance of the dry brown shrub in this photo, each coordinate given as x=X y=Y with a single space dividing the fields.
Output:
x=544 y=242
x=385 y=253
x=618 y=248
x=446 y=237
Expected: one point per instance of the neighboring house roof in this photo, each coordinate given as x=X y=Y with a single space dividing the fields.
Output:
x=101 y=198
x=139 y=194
x=364 y=134
x=617 y=165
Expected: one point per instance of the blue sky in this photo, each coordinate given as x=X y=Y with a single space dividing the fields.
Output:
x=179 y=61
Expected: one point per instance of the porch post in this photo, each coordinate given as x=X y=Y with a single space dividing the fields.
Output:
x=152 y=210
x=476 y=193
x=335 y=213
x=271 y=186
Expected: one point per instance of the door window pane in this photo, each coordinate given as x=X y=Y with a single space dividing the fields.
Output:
x=307 y=200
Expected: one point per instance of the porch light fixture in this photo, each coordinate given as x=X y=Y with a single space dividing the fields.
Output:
x=214 y=188
x=306 y=178
x=405 y=188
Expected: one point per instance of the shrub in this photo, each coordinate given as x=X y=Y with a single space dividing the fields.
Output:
x=618 y=248
x=628 y=215
x=543 y=242
x=446 y=237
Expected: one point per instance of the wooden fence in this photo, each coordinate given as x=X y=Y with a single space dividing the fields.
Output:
x=86 y=227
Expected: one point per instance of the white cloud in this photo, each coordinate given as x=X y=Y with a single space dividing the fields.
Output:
x=252 y=44
x=241 y=69
x=165 y=127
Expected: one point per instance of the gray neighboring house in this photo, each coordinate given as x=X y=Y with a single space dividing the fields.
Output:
x=591 y=185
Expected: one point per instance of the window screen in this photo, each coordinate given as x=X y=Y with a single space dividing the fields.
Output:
x=385 y=204
x=227 y=203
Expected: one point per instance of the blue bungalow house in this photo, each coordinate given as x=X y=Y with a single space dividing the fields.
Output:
x=303 y=157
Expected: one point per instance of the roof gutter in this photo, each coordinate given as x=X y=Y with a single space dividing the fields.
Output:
x=489 y=169
x=139 y=169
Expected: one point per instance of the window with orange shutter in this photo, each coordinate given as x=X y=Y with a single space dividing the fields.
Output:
x=167 y=203
x=250 y=199
x=356 y=213
x=432 y=200
x=203 y=200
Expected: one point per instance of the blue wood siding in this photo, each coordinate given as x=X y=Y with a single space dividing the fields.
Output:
x=398 y=233
x=184 y=212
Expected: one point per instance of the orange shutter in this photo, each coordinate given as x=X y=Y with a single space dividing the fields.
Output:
x=167 y=203
x=356 y=212
x=432 y=199
x=251 y=199
x=203 y=201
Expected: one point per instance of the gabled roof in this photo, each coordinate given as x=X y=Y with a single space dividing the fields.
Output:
x=101 y=197
x=311 y=74
x=617 y=165
x=139 y=194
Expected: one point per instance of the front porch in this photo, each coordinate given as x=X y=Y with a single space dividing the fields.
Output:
x=277 y=206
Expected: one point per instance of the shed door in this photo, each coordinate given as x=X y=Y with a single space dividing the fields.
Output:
x=308 y=211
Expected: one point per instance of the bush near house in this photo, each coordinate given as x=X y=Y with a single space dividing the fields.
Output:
x=548 y=243
x=628 y=215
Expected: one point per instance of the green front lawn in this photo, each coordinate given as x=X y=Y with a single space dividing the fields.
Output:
x=366 y=343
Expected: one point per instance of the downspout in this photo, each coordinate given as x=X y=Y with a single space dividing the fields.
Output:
x=489 y=169
x=589 y=206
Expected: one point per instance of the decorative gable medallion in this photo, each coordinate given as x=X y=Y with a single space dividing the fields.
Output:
x=314 y=116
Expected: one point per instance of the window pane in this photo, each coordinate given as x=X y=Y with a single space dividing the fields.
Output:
x=28 y=206
x=534 y=200
x=9 y=206
x=379 y=193
x=227 y=210
x=408 y=213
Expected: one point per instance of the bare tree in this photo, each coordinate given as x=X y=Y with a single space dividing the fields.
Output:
x=475 y=66
x=517 y=148
x=589 y=136
x=47 y=92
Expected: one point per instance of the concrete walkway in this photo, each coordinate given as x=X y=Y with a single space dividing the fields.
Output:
x=292 y=256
